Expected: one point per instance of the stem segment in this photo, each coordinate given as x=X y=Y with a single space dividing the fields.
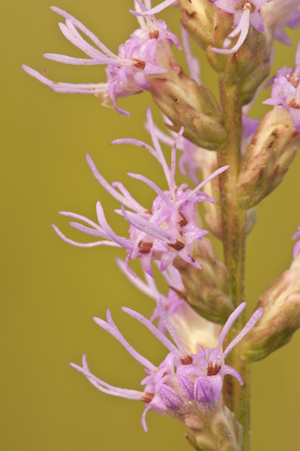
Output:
x=237 y=398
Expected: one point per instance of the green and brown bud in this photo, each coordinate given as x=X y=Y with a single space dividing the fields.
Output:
x=208 y=290
x=267 y=158
x=281 y=318
x=189 y=105
x=198 y=19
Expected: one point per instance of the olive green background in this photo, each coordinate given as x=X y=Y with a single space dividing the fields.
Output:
x=50 y=290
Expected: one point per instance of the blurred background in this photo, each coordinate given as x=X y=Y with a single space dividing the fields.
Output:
x=51 y=290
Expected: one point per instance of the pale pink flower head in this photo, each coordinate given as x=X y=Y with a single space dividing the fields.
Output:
x=144 y=55
x=286 y=90
x=165 y=232
x=183 y=384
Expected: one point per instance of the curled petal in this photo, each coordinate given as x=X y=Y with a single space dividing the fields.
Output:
x=226 y=369
x=107 y=388
x=143 y=419
x=75 y=243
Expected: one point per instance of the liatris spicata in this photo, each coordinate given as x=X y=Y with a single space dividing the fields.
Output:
x=234 y=161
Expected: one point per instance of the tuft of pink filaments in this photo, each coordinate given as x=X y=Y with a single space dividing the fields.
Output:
x=165 y=232
x=140 y=58
x=286 y=90
x=183 y=384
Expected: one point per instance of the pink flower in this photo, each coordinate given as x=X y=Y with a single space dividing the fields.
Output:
x=183 y=384
x=166 y=232
x=142 y=56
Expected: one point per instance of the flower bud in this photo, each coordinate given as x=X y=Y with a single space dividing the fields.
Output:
x=208 y=290
x=198 y=20
x=281 y=318
x=189 y=105
x=267 y=158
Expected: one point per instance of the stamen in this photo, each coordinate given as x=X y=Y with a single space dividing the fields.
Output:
x=186 y=360
x=178 y=245
x=183 y=221
x=138 y=63
x=147 y=397
x=213 y=369
x=154 y=34
x=145 y=247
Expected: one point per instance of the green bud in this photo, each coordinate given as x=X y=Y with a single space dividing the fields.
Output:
x=198 y=18
x=267 y=158
x=189 y=105
x=281 y=318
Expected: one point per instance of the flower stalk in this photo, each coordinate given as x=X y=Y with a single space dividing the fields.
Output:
x=234 y=237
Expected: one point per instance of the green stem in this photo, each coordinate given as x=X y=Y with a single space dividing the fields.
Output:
x=237 y=398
